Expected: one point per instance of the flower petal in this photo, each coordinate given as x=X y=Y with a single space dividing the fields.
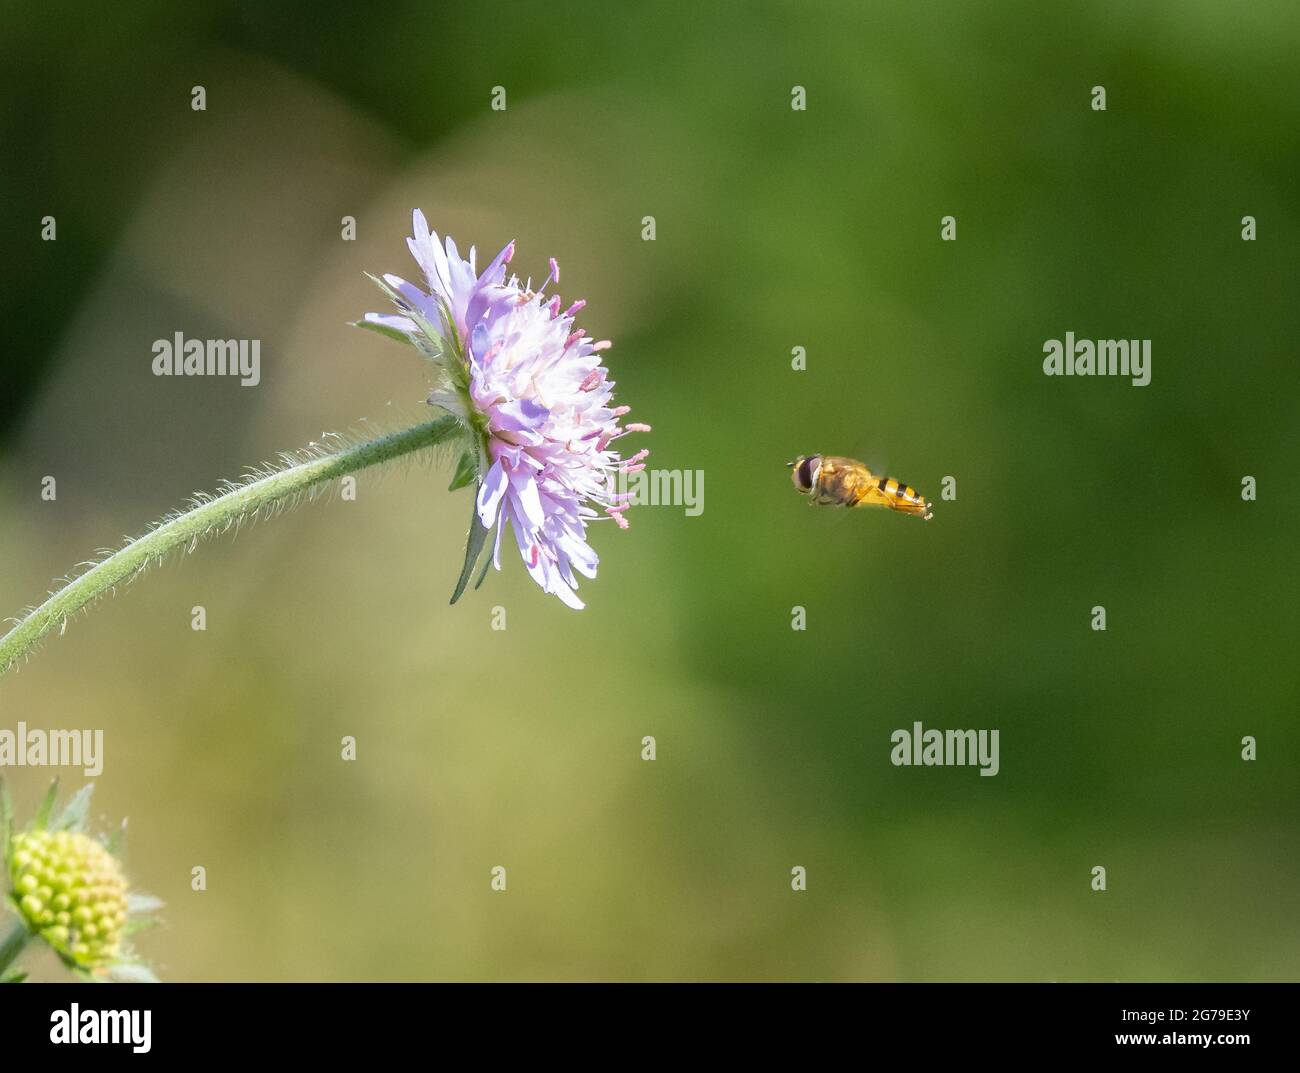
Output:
x=519 y=415
x=490 y=492
x=524 y=492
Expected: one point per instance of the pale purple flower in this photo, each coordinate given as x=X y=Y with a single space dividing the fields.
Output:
x=516 y=370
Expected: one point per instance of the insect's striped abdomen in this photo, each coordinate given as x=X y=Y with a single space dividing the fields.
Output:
x=902 y=497
x=892 y=488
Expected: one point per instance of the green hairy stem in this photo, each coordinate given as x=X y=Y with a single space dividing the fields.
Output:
x=263 y=492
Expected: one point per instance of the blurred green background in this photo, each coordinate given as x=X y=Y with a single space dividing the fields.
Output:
x=775 y=229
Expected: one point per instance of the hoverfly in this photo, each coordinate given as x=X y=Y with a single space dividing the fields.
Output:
x=836 y=481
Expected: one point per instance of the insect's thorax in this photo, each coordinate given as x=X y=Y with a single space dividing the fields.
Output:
x=843 y=481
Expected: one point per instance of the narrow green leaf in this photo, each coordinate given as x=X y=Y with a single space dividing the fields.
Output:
x=466 y=469
x=381 y=329
x=42 y=818
x=116 y=842
x=473 y=546
x=429 y=341
x=74 y=813
x=487 y=561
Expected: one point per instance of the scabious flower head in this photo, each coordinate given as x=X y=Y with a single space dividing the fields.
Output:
x=532 y=387
x=69 y=888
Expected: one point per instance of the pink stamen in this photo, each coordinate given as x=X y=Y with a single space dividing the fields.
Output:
x=592 y=379
x=581 y=303
x=604 y=344
x=555 y=270
x=573 y=338
x=637 y=426
x=554 y=306
x=619 y=411
x=643 y=453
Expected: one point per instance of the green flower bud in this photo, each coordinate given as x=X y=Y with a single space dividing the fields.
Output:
x=71 y=890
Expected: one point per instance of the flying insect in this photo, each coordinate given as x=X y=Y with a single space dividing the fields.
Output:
x=833 y=480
